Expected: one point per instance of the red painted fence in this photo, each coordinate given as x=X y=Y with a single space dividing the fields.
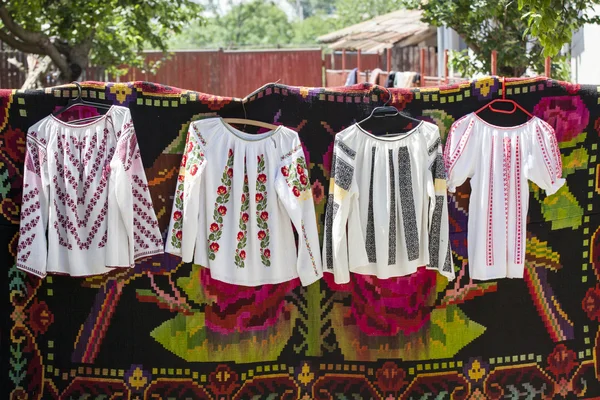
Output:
x=234 y=73
x=226 y=73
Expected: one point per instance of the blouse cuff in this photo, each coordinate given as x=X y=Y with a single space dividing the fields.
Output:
x=554 y=188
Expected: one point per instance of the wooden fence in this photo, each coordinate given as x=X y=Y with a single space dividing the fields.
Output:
x=226 y=73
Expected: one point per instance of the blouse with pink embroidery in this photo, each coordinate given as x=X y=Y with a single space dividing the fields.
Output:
x=86 y=208
x=500 y=161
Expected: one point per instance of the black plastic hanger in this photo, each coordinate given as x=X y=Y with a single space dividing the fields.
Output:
x=79 y=101
x=387 y=112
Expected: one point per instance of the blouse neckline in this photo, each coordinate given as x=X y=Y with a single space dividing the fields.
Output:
x=505 y=128
x=250 y=137
x=88 y=124
x=403 y=136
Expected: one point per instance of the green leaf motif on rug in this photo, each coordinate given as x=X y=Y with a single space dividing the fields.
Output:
x=578 y=159
x=442 y=119
x=447 y=332
x=178 y=144
x=562 y=209
x=192 y=288
x=4 y=184
x=573 y=142
x=187 y=337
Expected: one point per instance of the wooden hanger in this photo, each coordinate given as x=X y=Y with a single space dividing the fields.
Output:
x=245 y=121
x=506 y=101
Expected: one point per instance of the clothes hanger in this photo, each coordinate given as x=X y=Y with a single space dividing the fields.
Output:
x=245 y=121
x=506 y=101
x=386 y=111
x=79 y=101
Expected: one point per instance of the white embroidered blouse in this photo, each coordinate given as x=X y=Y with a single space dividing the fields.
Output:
x=387 y=211
x=237 y=196
x=499 y=161
x=86 y=186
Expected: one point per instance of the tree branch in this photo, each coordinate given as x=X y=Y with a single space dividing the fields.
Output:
x=19 y=45
x=35 y=39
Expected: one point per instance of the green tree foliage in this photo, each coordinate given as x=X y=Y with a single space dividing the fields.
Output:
x=553 y=22
x=351 y=12
x=307 y=30
x=255 y=23
x=487 y=25
x=107 y=33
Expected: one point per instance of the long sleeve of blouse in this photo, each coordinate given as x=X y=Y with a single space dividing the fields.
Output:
x=387 y=210
x=237 y=198
x=86 y=207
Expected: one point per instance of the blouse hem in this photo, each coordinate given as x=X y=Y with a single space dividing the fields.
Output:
x=147 y=253
x=30 y=270
x=246 y=283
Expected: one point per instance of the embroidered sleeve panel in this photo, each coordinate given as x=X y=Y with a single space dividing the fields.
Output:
x=295 y=171
x=146 y=234
x=191 y=162
x=32 y=246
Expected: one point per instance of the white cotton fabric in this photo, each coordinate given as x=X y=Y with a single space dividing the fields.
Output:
x=243 y=231
x=500 y=161
x=86 y=207
x=387 y=211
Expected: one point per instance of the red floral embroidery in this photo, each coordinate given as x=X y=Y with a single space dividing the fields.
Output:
x=240 y=253
x=190 y=161
x=220 y=210
x=261 y=214
x=296 y=176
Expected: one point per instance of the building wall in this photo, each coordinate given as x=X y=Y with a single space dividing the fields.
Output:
x=585 y=57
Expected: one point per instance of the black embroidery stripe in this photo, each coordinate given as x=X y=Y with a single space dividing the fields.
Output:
x=407 y=204
x=370 y=239
x=347 y=150
x=447 y=264
x=343 y=173
x=392 y=231
x=329 y=232
x=434 y=146
x=438 y=168
x=434 y=233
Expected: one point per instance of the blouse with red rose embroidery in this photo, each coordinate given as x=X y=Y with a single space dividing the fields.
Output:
x=237 y=197
x=86 y=185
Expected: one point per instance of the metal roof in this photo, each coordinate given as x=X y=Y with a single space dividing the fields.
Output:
x=402 y=27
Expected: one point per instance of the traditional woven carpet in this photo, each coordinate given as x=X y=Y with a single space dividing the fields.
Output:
x=166 y=330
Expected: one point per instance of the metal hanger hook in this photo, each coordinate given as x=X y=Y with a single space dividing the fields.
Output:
x=389 y=92
x=78 y=89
